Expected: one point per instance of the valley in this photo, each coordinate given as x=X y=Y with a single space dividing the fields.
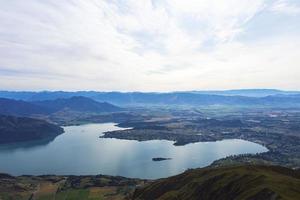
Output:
x=149 y=100
x=277 y=130
x=147 y=142
x=82 y=152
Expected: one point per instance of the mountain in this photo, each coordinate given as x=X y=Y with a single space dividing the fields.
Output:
x=20 y=108
x=44 y=95
x=77 y=103
x=254 y=97
x=239 y=183
x=249 y=92
x=125 y=96
x=18 y=129
x=195 y=99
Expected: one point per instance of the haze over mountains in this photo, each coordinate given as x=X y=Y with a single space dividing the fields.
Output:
x=253 y=97
x=78 y=104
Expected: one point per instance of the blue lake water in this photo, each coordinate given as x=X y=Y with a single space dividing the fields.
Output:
x=80 y=151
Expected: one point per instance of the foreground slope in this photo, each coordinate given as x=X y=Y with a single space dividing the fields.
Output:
x=226 y=183
x=51 y=187
x=19 y=129
x=240 y=182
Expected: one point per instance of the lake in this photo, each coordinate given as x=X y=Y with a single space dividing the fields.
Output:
x=80 y=151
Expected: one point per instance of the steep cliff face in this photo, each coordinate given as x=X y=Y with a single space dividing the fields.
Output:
x=242 y=182
x=19 y=129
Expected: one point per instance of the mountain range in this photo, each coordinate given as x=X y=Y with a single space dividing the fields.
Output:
x=78 y=104
x=254 y=97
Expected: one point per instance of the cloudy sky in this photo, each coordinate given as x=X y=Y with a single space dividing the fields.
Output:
x=144 y=45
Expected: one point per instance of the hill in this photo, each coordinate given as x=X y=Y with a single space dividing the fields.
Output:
x=79 y=104
x=76 y=104
x=19 y=107
x=227 y=183
x=66 y=187
x=19 y=129
x=239 y=183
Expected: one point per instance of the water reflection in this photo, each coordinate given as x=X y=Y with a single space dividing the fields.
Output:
x=80 y=151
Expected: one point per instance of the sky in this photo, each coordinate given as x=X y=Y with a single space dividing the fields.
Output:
x=149 y=45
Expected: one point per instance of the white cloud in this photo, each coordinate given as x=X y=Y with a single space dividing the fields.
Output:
x=142 y=45
x=283 y=6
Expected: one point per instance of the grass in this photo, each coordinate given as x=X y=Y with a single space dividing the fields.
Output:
x=94 y=193
x=45 y=190
x=73 y=194
x=51 y=187
x=239 y=183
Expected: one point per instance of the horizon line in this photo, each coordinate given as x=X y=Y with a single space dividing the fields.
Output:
x=174 y=91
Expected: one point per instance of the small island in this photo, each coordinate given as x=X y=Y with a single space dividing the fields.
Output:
x=160 y=159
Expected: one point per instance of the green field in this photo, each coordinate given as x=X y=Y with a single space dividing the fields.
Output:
x=66 y=188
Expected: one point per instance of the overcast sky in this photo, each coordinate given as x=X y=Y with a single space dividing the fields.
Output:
x=144 y=45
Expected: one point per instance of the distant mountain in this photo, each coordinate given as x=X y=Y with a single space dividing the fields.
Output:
x=20 y=108
x=77 y=103
x=252 y=97
x=195 y=99
x=248 y=92
x=242 y=182
x=19 y=129
x=125 y=96
x=44 y=95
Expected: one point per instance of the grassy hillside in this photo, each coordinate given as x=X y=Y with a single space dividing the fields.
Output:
x=51 y=187
x=223 y=183
x=238 y=183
